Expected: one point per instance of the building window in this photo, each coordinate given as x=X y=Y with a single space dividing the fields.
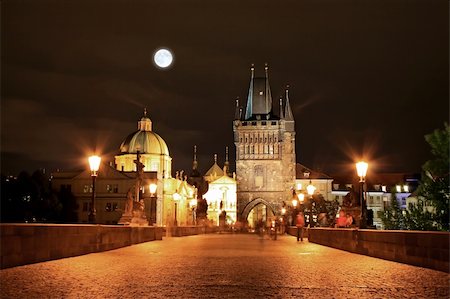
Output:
x=87 y=188
x=112 y=188
x=115 y=206
x=108 y=207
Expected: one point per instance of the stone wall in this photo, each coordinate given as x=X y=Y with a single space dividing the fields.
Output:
x=423 y=249
x=23 y=244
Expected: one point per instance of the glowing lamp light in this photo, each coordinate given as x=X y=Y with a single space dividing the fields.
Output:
x=310 y=189
x=152 y=187
x=399 y=188
x=301 y=197
x=192 y=203
x=176 y=196
x=361 y=169
x=294 y=203
x=283 y=211
x=299 y=186
x=406 y=188
x=94 y=164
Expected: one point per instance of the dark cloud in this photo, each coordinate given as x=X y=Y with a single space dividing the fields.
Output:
x=366 y=77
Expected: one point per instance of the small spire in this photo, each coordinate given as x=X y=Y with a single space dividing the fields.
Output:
x=237 y=114
x=226 y=154
x=288 y=115
x=281 y=108
x=195 y=163
x=253 y=70
x=215 y=158
x=145 y=111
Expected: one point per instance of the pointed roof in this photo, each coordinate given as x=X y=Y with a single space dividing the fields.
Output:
x=288 y=115
x=215 y=170
x=195 y=172
x=259 y=99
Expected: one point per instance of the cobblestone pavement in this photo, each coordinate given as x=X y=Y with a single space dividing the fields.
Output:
x=223 y=266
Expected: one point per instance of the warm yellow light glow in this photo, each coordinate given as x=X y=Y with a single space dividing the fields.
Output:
x=310 y=189
x=294 y=203
x=399 y=188
x=406 y=188
x=176 y=196
x=283 y=211
x=94 y=164
x=152 y=187
x=361 y=169
x=192 y=203
x=299 y=186
x=301 y=197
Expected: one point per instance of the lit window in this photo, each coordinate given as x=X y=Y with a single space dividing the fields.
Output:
x=406 y=188
x=383 y=188
x=261 y=93
x=399 y=188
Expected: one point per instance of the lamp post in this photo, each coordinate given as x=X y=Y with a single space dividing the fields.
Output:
x=153 y=196
x=94 y=164
x=294 y=212
x=192 y=205
x=310 y=189
x=361 y=170
x=176 y=198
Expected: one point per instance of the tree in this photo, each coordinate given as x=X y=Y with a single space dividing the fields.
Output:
x=418 y=217
x=392 y=217
x=434 y=187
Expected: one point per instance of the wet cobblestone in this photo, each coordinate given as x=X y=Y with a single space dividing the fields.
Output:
x=223 y=266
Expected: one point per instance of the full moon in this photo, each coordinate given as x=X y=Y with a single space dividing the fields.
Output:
x=163 y=58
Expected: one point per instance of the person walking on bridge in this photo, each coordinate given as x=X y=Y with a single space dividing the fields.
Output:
x=300 y=224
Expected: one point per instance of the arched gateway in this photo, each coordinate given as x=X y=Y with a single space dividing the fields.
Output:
x=264 y=136
x=256 y=210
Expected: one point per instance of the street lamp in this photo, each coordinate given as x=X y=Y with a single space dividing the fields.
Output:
x=153 y=201
x=176 y=197
x=310 y=189
x=361 y=169
x=192 y=205
x=94 y=164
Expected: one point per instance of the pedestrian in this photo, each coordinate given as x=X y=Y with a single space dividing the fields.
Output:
x=300 y=224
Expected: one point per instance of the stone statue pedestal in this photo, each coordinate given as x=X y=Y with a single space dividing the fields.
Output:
x=136 y=217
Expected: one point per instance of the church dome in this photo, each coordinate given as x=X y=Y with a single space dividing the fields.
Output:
x=144 y=140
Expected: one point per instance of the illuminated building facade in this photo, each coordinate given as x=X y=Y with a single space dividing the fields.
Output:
x=264 y=136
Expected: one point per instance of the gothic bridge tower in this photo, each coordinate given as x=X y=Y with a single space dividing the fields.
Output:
x=264 y=137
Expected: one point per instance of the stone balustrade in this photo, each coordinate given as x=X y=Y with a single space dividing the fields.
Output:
x=23 y=244
x=419 y=248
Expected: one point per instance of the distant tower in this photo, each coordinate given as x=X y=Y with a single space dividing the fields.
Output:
x=265 y=151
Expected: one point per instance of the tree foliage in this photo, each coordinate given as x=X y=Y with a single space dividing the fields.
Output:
x=393 y=217
x=434 y=187
x=28 y=198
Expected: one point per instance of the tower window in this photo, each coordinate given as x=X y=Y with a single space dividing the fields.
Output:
x=261 y=93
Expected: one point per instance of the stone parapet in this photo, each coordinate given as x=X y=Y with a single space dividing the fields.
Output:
x=418 y=248
x=23 y=244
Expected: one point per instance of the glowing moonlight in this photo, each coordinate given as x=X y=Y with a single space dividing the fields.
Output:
x=163 y=58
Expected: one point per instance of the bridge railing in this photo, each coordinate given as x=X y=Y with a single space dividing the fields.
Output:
x=23 y=244
x=425 y=249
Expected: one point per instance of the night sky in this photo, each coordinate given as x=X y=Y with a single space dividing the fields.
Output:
x=367 y=78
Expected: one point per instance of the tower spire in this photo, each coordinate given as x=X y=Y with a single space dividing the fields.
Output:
x=268 y=98
x=249 y=109
x=288 y=116
x=281 y=108
x=226 y=166
x=195 y=163
x=237 y=114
